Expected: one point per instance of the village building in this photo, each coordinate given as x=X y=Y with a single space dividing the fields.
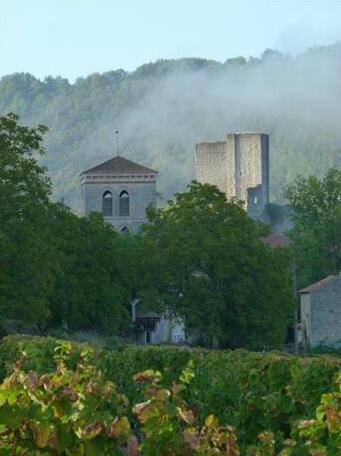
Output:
x=121 y=190
x=157 y=328
x=321 y=312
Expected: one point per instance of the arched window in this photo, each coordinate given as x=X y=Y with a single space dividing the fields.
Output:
x=107 y=204
x=124 y=203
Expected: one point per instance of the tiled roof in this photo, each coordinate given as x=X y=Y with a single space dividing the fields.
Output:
x=320 y=284
x=119 y=165
x=277 y=240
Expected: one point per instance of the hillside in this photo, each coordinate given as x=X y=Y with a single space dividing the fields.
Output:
x=162 y=109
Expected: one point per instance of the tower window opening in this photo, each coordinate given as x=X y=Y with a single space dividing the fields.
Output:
x=256 y=201
x=124 y=204
x=107 y=204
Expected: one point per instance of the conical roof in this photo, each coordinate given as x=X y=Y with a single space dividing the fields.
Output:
x=119 y=165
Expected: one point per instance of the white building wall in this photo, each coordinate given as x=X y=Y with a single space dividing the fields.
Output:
x=168 y=331
x=306 y=318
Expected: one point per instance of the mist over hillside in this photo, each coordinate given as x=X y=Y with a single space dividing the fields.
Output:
x=162 y=109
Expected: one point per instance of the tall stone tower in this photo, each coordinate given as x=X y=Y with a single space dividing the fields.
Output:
x=121 y=190
x=239 y=167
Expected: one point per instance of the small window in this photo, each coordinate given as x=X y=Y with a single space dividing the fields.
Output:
x=256 y=201
x=107 y=204
x=124 y=204
x=125 y=230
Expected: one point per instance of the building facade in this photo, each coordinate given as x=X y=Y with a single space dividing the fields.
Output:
x=321 y=312
x=121 y=190
x=239 y=167
x=155 y=328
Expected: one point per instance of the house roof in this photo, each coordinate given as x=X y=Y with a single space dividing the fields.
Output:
x=148 y=315
x=277 y=240
x=320 y=284
x=119 y=165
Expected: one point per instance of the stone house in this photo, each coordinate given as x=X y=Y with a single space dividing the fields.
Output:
x=321 y=312
x=121 y=190
x=155 y=328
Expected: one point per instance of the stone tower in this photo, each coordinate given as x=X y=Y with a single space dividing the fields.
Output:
x=121 y=190
x=239 y=167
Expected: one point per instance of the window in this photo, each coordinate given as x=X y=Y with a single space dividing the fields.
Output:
x=107 y=204
x=124 y=230
x=256 y=200
x=124 y=203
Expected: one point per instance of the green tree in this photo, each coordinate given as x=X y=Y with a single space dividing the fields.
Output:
x=56 y=267
x=316 y=205
x=27 y=255
x=95 y=278
x=208 y=264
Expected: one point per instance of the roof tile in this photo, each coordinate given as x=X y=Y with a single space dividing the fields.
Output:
x=321 y=284
x=119 y=165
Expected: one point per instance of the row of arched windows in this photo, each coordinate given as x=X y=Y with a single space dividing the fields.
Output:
x=107 y=204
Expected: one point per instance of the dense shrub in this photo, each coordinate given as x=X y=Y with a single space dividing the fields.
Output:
x=254 y=392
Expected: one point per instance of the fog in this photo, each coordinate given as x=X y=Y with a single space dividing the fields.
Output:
x=297 y=100
x=163 y=109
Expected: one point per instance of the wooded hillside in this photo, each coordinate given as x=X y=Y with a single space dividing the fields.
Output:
x=162 y=109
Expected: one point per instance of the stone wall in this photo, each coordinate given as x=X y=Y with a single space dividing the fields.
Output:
x=235 y=166
x=326 y=314
x=213 y=165
x=141 y=195
x=252 y=165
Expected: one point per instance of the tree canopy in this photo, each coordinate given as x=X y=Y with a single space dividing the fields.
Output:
x=316 y=205
x=209 y=265
x=56 y=268
x=27 y=256
x=200 y=258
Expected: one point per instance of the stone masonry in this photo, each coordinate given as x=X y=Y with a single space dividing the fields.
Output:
x=321 y=312
x=239 y=167
x=115 y=178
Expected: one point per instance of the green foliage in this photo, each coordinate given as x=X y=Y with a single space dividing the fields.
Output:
x=252 y=392
x=73 y=407
x=163 y=108
x=170 y=426
x=56 y=269
x=208 y=264
x=69 y=411
x=317 y=225
x=92 y=289
x=27 y=256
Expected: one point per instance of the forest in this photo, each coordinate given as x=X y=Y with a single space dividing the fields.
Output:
x=163 y=108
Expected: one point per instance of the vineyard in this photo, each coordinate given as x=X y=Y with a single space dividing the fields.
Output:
x=60 y=398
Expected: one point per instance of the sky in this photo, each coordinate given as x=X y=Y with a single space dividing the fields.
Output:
x=72 y=38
